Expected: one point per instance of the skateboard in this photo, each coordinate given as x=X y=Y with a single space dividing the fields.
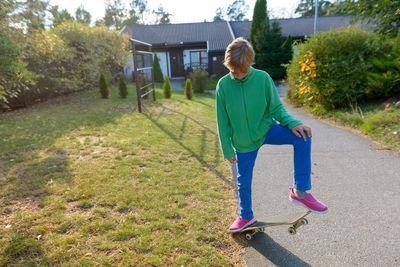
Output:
x=295 y=220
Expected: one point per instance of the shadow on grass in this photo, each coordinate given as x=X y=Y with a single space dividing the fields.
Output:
x=271 y=250
x=30 y=180
x=154 y=117
x=28 y=158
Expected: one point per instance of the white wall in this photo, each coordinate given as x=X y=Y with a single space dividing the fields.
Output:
x=163 y=58
x=128 y=69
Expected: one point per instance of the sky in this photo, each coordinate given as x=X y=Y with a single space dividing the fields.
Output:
x=183 y=11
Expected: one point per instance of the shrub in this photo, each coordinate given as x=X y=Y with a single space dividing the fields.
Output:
x=380 y=119
x=330 y=69
x=167 y=88
x=222 y=71
x=66 y=59
x=199 y=79
x=188 y=89
x=158 y=76
x=123 y=92
x=103 y=86
x=13 y=73
x=384 y=81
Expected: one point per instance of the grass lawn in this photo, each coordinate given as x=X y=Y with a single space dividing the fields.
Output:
x=375 y=121
x=86 y=181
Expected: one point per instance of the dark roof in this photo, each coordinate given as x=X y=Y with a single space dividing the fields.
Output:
x=218 y=33
x=297 y=27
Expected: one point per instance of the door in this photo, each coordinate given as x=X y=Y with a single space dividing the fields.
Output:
x=176 y=59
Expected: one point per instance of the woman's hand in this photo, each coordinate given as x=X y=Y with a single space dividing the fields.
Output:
x=300 y=130
x=232 y=160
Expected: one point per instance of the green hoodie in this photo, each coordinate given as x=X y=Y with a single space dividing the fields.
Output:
x=246 y=110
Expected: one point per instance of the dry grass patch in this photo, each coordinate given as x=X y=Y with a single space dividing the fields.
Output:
x=93 y=182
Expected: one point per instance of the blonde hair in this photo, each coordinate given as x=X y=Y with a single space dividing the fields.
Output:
x=239 y=55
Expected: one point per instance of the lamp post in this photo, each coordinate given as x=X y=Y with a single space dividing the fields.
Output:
x=316 y=16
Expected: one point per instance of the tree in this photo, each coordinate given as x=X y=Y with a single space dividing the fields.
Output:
x=82 y=15
x=103 y=86
x=188 y=89
x=270 y=47
x=114 y=14
x=123 y=92
x=219 y=14
x=7 y=7
x=136 y=13
x=338 y=8
x=162 y=17
x=33 y=13
x=158 y=76
x=306 y=8
x=383 y=13
x=237 y=10
x=258 y=28
x=60 y=16
x=167 y=88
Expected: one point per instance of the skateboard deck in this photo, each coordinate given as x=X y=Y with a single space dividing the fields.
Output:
x=294 y=219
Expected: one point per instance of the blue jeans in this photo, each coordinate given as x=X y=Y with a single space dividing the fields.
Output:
x=277 y=135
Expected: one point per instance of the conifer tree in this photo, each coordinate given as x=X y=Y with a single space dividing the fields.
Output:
x=167 y=88
x=258 y=28
x=158 y=76
x=123 y=92
x=270 y=47
x=188 y=89
x=103 y=86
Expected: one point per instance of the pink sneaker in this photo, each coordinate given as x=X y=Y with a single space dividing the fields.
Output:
x=239 y=224
x=309 y=202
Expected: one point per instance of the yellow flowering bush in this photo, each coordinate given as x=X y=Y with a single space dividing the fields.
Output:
x=330 y=69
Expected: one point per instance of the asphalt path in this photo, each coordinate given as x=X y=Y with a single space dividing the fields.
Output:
x=359 y=184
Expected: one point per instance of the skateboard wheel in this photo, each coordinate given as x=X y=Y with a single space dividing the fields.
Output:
x=292 y=230
x=304 y=221
x=248 y=236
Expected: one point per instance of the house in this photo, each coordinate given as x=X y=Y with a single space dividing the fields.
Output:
x=182 y=47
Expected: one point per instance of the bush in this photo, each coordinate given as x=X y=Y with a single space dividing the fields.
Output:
x=13 y=73
x=222 y=71
x=199 y=79
x=380 y=119
x=384 y=81
x=103 y=86
x=167 y=88
x=158 y=76
x=330 y=69
x=123 y=92
x=68 y=58
x=188 y=89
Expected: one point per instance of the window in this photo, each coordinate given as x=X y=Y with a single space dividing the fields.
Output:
x=143 y=60
x=198 y=58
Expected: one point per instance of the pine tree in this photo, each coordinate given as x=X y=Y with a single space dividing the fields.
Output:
x=167 y=88
x=188 y=89
x=158 y=76
x=103 y=86
x=270 y=47
x=123 y=92
x=258 y=28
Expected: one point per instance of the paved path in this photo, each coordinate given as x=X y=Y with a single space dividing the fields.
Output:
x=361 y=187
